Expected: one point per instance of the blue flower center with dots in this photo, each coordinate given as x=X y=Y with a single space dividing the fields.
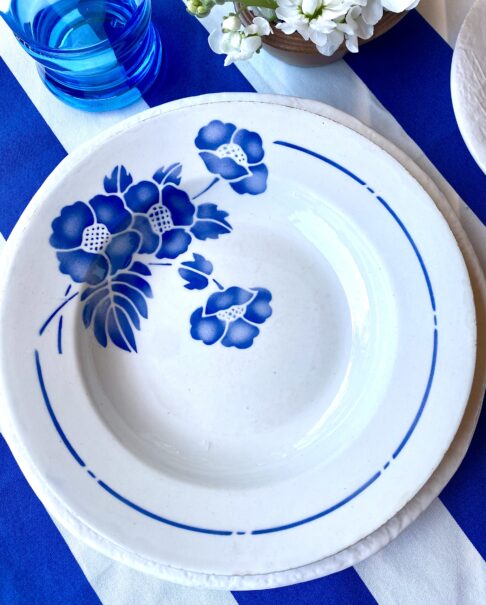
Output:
x=160 y=218
x=95 y=238
x=231 y=314
x=233 y=151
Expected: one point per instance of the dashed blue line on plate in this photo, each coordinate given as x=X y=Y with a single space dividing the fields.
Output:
x=322 y=513
x=57 y=426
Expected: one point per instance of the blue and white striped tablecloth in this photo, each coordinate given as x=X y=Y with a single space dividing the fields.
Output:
x=398 y=85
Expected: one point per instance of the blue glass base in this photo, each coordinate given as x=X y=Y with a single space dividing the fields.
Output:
x=105 y=94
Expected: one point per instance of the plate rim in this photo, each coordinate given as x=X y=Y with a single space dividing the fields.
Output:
x=457 y=98
x=347 y=557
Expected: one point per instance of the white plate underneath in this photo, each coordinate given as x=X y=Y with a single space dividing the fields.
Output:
x=263 y=449
x=468 y=81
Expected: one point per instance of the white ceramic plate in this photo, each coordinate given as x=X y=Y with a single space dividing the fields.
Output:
x=468 y=82
x=320 y=427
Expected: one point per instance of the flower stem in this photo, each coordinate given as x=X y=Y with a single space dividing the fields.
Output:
x=218 y=284
x=258 y=3
x=161 y=264
x=54 y=313
x=211 y=184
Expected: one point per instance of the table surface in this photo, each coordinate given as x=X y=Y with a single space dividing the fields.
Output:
x=399 y=86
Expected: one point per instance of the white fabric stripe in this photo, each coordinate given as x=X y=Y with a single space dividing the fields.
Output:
x=116 y=584
x=445 y=16
x=68 y=124
x=431 y=562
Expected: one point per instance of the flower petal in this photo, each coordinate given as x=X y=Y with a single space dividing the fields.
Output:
x=259 y=309
x=83 y=266
x=68 y=227
x=254 y=184
x=213 y=135
x=207 y=329
x=121 y=249
x=219 y=301
x=179 y=204
x=110 y=211
x=252 y=145
x=174 y=243
x=240 y=334
x=150 y=240
x=225 y=167
x=142 y=196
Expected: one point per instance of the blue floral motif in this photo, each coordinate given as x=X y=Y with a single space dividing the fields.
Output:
x=234 y=155
x=94 y=240
x=99 y=243
x=161 y=217
x=231 y=317
x=195 y=272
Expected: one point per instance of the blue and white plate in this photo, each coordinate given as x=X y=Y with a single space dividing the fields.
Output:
x=237 y=338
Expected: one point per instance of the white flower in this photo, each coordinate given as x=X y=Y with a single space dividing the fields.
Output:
x=329 y=23
x=397 y=6
x=241 y=43
x=312 y=19
x=259 y=27
x=232 y=23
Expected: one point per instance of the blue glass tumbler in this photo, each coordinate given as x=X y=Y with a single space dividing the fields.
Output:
x=93 y=54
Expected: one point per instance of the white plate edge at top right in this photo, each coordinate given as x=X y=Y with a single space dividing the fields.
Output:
x=468 y=82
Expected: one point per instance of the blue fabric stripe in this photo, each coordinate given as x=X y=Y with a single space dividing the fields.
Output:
x=190 y=67
x=343 y=588
x=29 y=151
x=36 y=566
x=408 y=70
x=465 y=494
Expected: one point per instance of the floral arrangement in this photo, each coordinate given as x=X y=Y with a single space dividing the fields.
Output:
x=326 y=23
x=109 y=245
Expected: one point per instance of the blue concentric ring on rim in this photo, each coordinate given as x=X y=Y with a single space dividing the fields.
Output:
x=366 y=483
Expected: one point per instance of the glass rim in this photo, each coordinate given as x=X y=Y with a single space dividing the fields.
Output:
x=49 y=50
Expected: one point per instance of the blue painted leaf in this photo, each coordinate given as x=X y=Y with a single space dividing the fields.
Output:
x=211 y=211
x=136 y=282
x=140 y=268
x=129 y=309
x=134 y=296
x=195 y=281
x=171 y=174
x=195 y=271
x=99 y=322
x=90 y=306
x=125 y=328
x=119 y=181
x=211 y=222
x=114 y=309
x=87 y=292
x=114 y=331
x=199 y=264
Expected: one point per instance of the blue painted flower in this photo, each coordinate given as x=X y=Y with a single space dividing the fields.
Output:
x=231 y=317
x=93 y=240
x=162 y=218
x=235 y=155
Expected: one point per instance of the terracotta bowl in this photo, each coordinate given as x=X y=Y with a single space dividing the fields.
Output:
x=295 y=50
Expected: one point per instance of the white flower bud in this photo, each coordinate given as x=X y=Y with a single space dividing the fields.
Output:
x=231 y=24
